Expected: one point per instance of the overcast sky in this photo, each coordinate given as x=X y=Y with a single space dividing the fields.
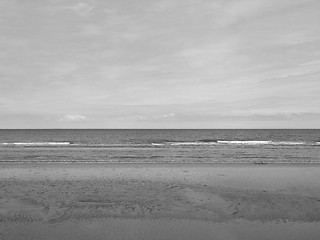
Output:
x=159 y=64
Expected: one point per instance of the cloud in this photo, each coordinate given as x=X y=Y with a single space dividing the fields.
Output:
x=237 y=11
x=63 y=68
x=164 y=5
x=73 y=118
x=170 y=115
x=134 y=64
x=92 y=30
x=83 y=8
x=234 y=11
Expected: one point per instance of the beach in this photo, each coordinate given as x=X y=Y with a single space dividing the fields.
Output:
x=44 y=198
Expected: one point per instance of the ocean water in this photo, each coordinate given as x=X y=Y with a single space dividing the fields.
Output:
x=161 y=146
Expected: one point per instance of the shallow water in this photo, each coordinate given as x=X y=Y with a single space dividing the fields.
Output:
x=161 y=146
x=139 y=229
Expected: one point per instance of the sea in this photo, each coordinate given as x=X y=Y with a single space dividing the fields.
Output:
x=165 y=146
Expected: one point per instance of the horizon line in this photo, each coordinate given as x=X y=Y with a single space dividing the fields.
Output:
x=159 y=128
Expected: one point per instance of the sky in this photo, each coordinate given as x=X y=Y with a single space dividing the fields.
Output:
x=159 y=64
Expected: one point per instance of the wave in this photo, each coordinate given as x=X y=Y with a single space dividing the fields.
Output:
x=232 y=142
x=158 y=144
x=36 y=143
x=193 y=143
x=282 y=143
x=289 y=143
x=246 y=142
x=73 y=145
x=139 y=160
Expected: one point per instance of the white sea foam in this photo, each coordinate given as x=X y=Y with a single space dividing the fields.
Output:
x=157 y=144
x=36 y=143
x=225 y=142
x=262 y=142
x=288 y=143
x=192 y=143
x=246 y=142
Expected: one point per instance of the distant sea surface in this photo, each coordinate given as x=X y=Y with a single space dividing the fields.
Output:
x=161 y=146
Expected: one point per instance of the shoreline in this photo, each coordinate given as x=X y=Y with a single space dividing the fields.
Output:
x=156 y=164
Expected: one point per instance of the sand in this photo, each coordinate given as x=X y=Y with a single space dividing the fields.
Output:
x=110 y=201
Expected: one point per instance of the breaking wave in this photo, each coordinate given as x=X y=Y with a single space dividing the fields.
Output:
x=246 y=142
x=192 y=143
x=158 y=144
x=225 y=142
x=36 y=143
x=262 y=142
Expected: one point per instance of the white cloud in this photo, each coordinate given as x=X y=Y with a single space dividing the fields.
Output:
x=134 y=64
x=92 y=30
x=63 y=68
x=164 y=5
x=238 y=10
x=169 y=115
x=83 y=8
x=73 y=118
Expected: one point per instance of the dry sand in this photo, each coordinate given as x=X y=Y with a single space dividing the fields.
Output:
x=44 y=200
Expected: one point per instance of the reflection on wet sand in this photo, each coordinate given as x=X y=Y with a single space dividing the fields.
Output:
x=156 y=229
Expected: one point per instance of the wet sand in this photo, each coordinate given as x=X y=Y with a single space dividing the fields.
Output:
x=109 y=201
